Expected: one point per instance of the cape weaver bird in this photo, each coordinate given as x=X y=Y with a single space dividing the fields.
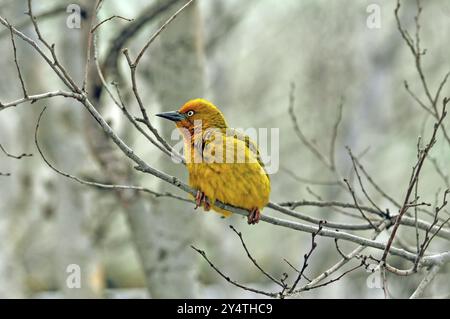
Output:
x=223 y=163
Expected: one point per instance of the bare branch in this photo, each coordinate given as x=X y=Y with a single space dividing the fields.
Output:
x=334 y=135
x=427 y=240
x=359 y=208
x=416 y=50
x=321 y=203
x=339 y=249
x=429 y=277
x=146 y=120
x=441 y=86
x=46 y=14
x=149 y=14
x=14 y=156
x=340 y=264
x=414 y=96
x=353 y=158
x=254 y=260
x=119 y=102
x=257 y=291
x=158 y=32
x=54 y=65
x=37 y=97
x=22 y=83
x=300 y=133
x=64 y=75
x=414 y=178
x=87 y=64
x=417 y=53
x=310 y=287
x=306 y=258
x=95 y=184
x=109 y=19
x=375 y=185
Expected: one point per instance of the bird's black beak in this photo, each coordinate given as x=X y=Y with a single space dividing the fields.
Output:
x=174 y=116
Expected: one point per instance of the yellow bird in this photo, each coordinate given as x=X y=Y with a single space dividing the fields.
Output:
x=223 y=163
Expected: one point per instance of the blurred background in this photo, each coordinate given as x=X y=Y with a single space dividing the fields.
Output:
x=243 y=56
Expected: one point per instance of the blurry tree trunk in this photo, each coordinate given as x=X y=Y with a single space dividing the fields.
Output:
x=161 y=233
x=19 y=221
x=116 y=170
x=17 y=201
x=75 y=243
x=11 y=271
x=177 y=76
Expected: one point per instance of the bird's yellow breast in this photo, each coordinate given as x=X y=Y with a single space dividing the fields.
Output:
x=240 y=182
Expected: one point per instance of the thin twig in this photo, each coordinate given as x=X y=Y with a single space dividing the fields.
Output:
x=95 y=184
x=375 y=185
x=306 y=258
x=334 y=135
x=119 y=102
x=87 y=65
x=158 y=32
x=254 y=260
x=429 y=277
x=62 y=72
x=19 y=73
x=414 y=178
x=14 y=156
x=335 y=279
x=261 y=292
x=385 y=215
x=300 y=133
x=109 y=19
x=141 y=104
x=339 y=250
x=46 y=14
x=350 y=189
x=54 y=65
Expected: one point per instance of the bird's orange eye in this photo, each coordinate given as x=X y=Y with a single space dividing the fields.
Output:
x=190 y=113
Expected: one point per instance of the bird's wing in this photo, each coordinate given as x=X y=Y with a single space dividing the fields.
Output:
x=248 y=143
x=208 y=145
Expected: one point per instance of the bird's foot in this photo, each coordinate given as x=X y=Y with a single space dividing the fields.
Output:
x=198 y=199
x=202 y=200
x=253 y=216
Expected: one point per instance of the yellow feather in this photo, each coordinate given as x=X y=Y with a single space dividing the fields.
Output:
x=244 y=185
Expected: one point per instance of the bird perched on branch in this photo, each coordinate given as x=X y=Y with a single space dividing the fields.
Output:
x=223 y=163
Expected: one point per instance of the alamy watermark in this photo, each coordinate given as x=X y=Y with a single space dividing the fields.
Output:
x=230 y=146
x=373 y=20
x=73 y=279
x=375 y=279
x=73 y=20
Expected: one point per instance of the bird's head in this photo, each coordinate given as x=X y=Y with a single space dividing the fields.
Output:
x=196 y=113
